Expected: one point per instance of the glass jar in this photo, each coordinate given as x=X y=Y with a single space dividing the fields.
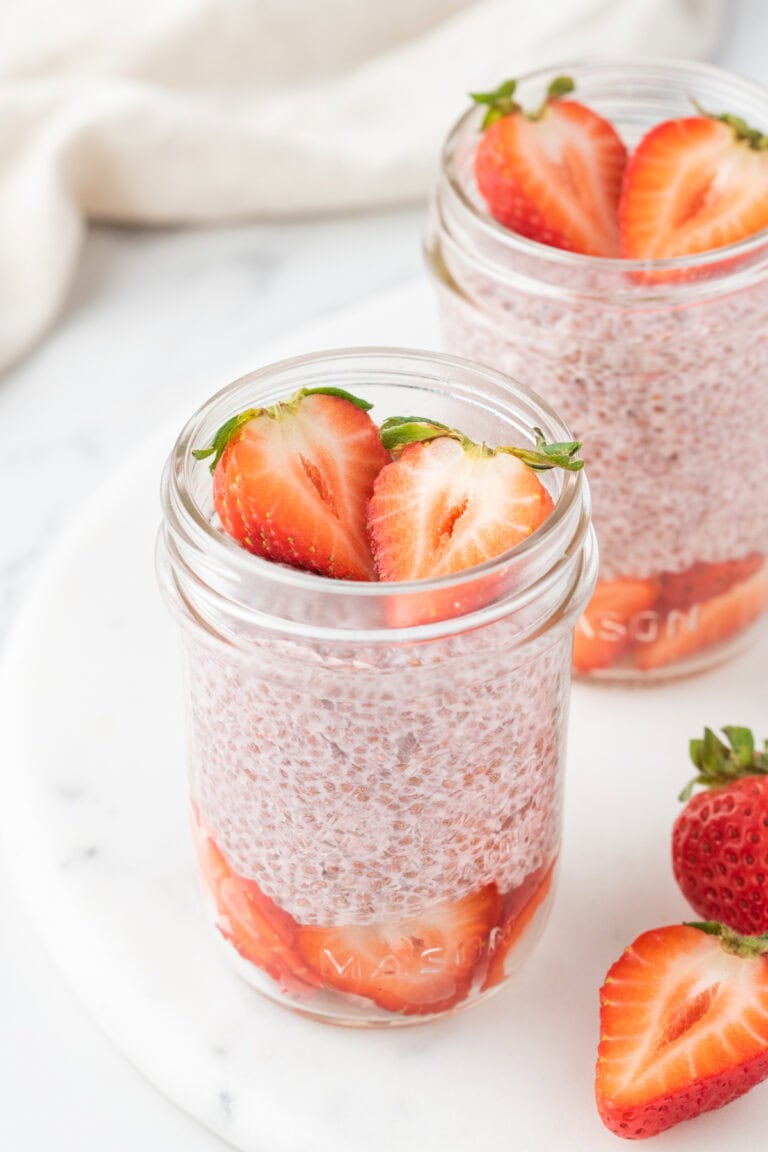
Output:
x=660 y=367
x=376 y=803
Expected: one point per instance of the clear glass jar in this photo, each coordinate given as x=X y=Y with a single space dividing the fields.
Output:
x=376 y=807
x=661 y=369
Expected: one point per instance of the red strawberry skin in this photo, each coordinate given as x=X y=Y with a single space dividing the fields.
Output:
x=439 y=509
x=293 y=487
x=555 y=178
x=692 y=186
x=414 y=967
x=683 y=1030
x=720 y=854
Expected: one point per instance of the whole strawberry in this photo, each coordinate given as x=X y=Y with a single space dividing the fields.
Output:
x=720 y=839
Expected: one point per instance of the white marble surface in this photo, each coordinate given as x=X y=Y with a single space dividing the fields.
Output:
x=93 y=815
x=153 y=315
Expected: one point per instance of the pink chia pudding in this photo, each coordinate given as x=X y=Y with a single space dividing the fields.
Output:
x=377 y=807
x=365 y=792
x=660 y=368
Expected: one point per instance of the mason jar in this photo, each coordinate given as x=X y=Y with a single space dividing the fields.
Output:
x=375 y=801
x=659 y=366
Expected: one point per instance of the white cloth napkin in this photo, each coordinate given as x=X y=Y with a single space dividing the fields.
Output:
x=181 y=111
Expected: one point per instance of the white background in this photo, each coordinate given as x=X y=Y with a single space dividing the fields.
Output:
x=152 y=316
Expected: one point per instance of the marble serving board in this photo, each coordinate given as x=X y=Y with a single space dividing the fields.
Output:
x=93 y=816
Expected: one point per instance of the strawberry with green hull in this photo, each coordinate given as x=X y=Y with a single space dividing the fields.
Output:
x=445 y=503
x=693 y=185
x=553 y=175
x=720 y=839
x=291 y=481
x=683 y=1027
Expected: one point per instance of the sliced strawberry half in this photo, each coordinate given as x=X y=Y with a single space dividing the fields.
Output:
x=291 y=481
x=712 y=622
x=604 y=632
x=518 y=909
x=553 y=175
x=693 y=185
x=264 y=934
x=446 y=504
x=261 y=931
x=416 y=966
x=683 y=1027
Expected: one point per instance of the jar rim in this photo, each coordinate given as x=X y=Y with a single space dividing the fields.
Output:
x=627 y=67
x=192 y=531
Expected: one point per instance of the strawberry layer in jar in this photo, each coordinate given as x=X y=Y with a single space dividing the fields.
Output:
x=659 y=365
x=376 y=768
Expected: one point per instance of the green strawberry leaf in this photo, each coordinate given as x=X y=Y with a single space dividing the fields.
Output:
x=752 y=137
x=230 y=427
x=719 y=763
x=560 y=86
x=733 y=942
x=500 y=102
x=398 y=431
x=330 y=391
x=224 y=435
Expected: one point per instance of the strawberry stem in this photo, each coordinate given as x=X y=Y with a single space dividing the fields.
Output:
x=399 y=431
x=230 y=427
x=500 y=102
x=560 y=86
x=558 y=455
x=741 y=130
x=720 y=764
x=731 y=941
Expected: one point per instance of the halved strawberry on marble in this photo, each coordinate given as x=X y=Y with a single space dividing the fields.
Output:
x=553 y=174
x=292 y=480
x=446 y=504
x=683 y=1027
x=416 y=966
